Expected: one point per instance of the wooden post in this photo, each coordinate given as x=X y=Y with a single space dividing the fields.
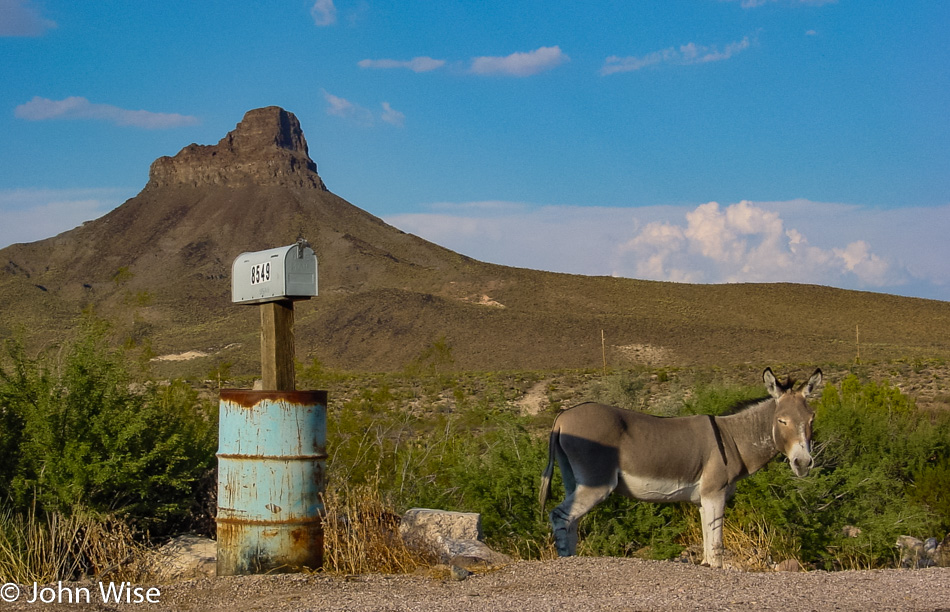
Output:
x=603 y=348
x=857 y=342
x=277 y=346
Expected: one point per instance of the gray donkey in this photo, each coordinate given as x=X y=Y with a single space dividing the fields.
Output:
x=697 y=459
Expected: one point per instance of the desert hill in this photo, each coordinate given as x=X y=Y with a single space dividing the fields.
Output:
x=158 y=266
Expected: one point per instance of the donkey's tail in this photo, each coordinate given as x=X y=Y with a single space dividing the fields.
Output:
x=549 y=470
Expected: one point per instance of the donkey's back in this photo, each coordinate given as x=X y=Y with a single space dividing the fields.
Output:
x=647 y=457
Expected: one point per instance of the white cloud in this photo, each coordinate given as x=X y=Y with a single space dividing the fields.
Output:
x=336 y=105
x=659 y=241
x=392 y=116
x=416 y=64
x=758 y=3
x=21 y=18
x=516 y=64
x=858 y=258
x=746 y=242
x=684 y=55
x=520 y=64
x=43 y=109
x=574 y=239
x=896 y=251
x=343 y=108
x=323 y=13
x=35 y=214
x=483 y=207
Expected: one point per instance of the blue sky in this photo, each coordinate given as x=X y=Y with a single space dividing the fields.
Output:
x=696 y=141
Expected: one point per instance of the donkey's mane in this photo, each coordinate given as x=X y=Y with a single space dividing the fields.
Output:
x=739 y=406
x=743 y=405
x=788 y=385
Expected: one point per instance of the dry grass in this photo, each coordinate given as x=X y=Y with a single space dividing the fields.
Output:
x=542 y=550
x=748 y=542
x=361 y=535
x=54 y=546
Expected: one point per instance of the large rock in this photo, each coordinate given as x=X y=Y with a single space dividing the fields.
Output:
x=456 y=537
x=182 y=558
x=916 y=553
x=942 y=554
x=426 y=525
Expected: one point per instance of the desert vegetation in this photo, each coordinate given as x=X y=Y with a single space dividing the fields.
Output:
x=100 y=460
x=461 y=443
x=94 y=462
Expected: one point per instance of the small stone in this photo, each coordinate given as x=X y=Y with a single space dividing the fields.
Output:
x=788 y=565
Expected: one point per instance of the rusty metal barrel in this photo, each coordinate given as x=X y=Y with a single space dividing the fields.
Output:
x=271 y=474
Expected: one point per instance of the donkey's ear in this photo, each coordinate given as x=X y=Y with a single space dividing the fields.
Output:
x=771 y=385
x=813 y=382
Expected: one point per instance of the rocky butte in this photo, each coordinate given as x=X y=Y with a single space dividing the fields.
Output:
x=266 y=148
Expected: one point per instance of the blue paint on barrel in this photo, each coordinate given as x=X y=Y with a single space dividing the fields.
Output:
x=271 y=474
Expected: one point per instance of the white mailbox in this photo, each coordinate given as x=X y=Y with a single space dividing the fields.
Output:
x=284 y=273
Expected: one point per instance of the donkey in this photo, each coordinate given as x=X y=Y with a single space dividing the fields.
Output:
x=698 y=458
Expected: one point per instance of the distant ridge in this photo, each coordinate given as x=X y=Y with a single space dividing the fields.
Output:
x=158 y=267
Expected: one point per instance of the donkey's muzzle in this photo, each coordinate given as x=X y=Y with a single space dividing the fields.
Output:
x=800 y=460
x=801 y=466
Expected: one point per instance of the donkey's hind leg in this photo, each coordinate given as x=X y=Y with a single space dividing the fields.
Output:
x=565 y=516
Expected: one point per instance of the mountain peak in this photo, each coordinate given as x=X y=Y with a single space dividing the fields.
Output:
x=267 y=127
x=266 y=148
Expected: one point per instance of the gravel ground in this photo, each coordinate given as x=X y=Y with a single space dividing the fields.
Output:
x=575 y=584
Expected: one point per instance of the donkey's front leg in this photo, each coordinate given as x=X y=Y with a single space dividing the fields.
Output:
x=711 y=512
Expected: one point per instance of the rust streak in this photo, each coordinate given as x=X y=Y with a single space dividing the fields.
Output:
x=238 y=522
x=272 y=457
x=246 y=398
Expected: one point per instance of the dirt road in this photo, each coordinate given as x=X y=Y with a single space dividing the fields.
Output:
x=575 y=584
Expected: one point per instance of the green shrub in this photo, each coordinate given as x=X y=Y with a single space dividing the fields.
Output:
x=497 y=476
x=930 y=489
x=461 y=452
x=879 y=473
x=76 y=432
x=622 y=527
x=719 y=398
x=622 y=389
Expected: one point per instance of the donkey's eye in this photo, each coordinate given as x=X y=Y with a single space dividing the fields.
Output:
x=783 y=421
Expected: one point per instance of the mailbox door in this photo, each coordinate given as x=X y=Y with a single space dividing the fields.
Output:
x=258 y=277
x=301 y=273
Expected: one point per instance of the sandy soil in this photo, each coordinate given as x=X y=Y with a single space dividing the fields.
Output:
x=575 y=584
